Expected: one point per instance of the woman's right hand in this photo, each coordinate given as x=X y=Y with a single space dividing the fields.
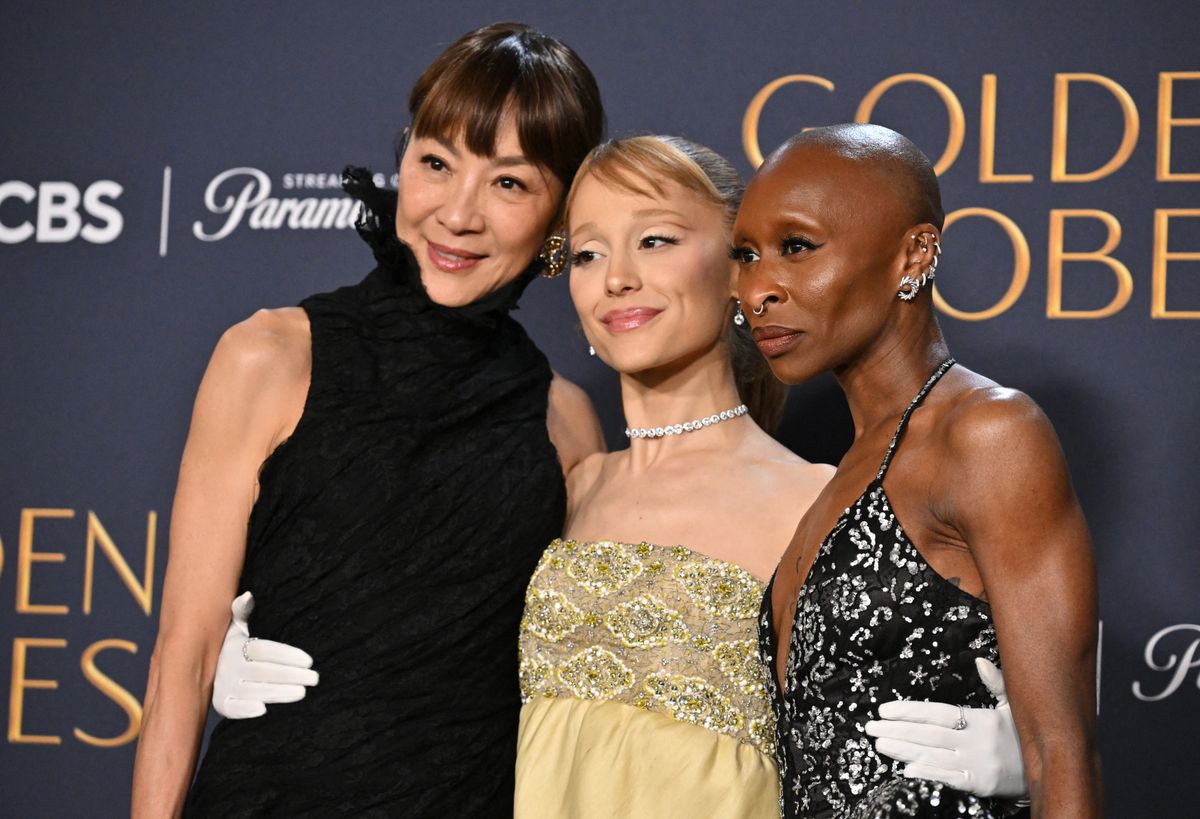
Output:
x=253 y=672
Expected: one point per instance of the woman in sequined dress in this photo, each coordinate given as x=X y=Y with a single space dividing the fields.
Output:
x=967 y=538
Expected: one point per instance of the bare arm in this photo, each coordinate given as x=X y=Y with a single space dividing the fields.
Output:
x=573 y=424
x=246 y=396
x=1010 y=497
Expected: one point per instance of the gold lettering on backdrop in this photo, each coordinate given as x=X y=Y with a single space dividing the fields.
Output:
x=1167 y=120
x=26 y=557
x=754 y=111
x=1057 y=256
x=110 y=689
x=987 y=137
x=1020 y=271
x=958 y=120
x=1058 y=145
x=142 y=592
x=19 y=683
x=1158 y=287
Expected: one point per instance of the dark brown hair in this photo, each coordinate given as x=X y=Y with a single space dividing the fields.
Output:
x=635 y=163
x=512 y=68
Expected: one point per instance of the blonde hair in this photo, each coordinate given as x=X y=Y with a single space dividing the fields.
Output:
x=642 y=165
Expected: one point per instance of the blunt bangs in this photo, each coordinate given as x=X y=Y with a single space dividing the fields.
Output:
x=511 y=69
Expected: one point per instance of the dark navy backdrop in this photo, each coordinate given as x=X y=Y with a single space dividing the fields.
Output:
x=119 y=117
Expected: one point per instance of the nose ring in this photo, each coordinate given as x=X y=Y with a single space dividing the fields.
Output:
x=758 y=311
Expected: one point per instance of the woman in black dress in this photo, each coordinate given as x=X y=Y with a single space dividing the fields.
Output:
x=386 y=462
x=950 y=530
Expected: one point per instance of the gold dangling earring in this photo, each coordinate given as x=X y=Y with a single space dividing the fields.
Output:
x=554 y=255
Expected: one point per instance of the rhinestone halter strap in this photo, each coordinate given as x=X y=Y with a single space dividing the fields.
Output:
x=689 y=426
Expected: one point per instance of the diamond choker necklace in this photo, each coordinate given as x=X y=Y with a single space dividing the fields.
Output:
x=690 y=426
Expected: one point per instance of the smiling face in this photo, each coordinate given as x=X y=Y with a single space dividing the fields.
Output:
x=473 y=222
x=820 y=243
x=651 y=277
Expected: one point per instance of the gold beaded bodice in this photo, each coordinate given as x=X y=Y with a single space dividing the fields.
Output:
x=660 y=628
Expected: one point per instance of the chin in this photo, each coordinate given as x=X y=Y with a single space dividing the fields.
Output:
x=630 y=362
x=455 y=291
x=795 y=369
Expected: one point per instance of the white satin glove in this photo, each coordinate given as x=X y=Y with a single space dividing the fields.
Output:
x=253 y=672
x=983 y=757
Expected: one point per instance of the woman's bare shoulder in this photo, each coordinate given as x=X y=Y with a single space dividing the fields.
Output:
x=573 y=424
x=268 y=340
x=259 y=372
x=783 y=465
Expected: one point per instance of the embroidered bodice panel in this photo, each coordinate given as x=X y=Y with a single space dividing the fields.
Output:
x=660 y=628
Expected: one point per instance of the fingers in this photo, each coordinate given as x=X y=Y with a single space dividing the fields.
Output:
x=234 y=708
x=992 y=678
x=953 y=778
x=928 y=713
x=932 y=736
x=269 y=651
x=272 y=692
x=242 y=607
x=278 y=674
x=917 y=754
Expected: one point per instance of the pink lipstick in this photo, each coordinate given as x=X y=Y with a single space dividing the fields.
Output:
x=631 y=318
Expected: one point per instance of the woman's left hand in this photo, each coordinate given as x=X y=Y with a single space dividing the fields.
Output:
x=982 y=757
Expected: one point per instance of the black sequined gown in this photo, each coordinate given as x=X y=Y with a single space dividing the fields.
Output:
x=873 y=623
x=393 y=538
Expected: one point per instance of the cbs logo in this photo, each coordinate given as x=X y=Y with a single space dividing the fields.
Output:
x=55 y=215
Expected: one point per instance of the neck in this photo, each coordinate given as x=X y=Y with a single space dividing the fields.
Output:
x=678 y=393
x=882 y=381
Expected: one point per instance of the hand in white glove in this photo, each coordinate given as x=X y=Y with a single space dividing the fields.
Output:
x=253 y=672
x=983 y=758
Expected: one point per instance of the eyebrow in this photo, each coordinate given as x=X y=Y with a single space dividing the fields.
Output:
x=646 y=213
x=499 y=162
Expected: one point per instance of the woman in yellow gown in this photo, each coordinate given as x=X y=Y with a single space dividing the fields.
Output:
x=643 y=691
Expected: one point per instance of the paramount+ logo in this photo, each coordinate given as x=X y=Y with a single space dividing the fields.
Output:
x=245 y=197
x=55 y=212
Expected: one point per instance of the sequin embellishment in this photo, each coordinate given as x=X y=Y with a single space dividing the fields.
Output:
x=873 y=623
x=691 y=699
x=721 y=588
x=550 y=615
x=645 y=622
x=664 y=629
x=595 y=673
x=604 y=567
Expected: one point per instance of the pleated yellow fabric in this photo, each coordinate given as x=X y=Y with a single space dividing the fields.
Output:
x=589 y=759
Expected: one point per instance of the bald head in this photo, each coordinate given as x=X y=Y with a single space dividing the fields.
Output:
x=900 y=165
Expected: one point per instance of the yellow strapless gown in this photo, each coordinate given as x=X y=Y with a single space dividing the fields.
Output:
x=644 y=695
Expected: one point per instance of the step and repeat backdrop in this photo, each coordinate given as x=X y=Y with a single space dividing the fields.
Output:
x=167 y=169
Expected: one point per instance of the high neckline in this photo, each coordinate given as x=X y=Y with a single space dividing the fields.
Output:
x=398 y=269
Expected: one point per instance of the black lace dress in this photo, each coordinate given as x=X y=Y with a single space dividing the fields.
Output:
x=873 y=623
x=393 y=538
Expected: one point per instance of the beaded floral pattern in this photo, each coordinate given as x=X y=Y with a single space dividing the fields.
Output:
x=873 y=623
x=660 y=628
